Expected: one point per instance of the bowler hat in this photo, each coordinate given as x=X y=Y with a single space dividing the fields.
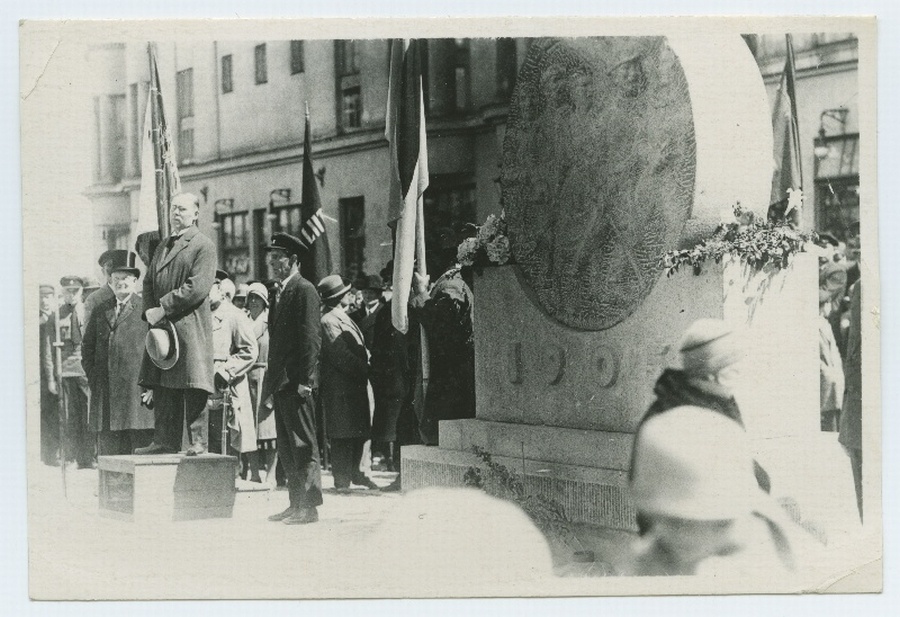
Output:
x=125 y=262
x=259 y=290
x=287 y=243
x=333 y=286
x=71 y=281
x=161 y=343
x=373 y=282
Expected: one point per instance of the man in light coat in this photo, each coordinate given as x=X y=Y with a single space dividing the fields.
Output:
x=234 y=352
x=176 y=288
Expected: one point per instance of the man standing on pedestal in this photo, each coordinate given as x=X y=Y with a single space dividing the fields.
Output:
x=176 y=288
x=294 y=344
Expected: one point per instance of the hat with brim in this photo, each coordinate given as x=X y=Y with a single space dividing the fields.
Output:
x=162 y=346
x=125 y=262
x=221 y=275
x=71 y=282
x=259 y=290
x=287 y=243
x=242 y=290
x=332 y=287
x=116 y=256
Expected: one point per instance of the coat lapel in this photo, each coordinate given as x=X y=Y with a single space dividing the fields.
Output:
x=126 y=309
x=181 y=242
x=348 y=324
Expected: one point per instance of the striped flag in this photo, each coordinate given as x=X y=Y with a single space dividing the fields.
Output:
x=405 y=131
x=787 y=173
x=159 y=172
x=317 y=264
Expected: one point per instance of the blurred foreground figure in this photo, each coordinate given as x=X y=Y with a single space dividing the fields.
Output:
x=694 y=486
x=458 y=541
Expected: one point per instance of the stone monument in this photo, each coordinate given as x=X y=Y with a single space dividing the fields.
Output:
x=618 y=149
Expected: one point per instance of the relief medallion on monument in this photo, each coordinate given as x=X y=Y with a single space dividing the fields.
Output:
x=598 y=172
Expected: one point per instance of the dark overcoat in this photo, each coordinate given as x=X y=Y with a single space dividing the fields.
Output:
x=179 y=280
x=101 y=296
x=294 y=338
x=111 y=356
x=343 y=375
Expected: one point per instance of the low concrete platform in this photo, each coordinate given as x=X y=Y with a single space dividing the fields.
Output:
x=171 y=487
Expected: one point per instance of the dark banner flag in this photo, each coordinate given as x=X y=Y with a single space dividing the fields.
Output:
x=787 y=174
x=159 y=173
x=317 y=264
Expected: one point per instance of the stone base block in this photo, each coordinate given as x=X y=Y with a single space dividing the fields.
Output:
x=586 y=494
x=167 y=487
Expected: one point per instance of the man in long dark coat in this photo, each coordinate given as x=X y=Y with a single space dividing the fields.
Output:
x=114 y=334
x=343 y=379
x=292 y=376
x=176 y=288
x=49 y=386
x=108 y=260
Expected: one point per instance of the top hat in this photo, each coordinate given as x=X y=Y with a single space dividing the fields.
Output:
x=259 y=290
x=125 y=261
x=116 y=256
x=221 y=275
x=71 y=281
x=287 y=243
x=332 y=287
x=162 y=346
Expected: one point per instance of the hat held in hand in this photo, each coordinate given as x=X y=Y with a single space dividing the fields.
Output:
x=162 y=346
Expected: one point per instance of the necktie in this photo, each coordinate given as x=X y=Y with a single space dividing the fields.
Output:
x=119 y=306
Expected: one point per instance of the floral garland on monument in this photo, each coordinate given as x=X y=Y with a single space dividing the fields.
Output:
x=760 y=244
x=489 y=246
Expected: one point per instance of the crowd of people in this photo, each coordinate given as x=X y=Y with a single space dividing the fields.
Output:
x=292 y=376
x=295 y=377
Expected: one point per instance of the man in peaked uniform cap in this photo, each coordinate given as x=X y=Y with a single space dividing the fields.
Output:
x=75 y=385
x=114 y=333
x=292 y=377
x=176 y=288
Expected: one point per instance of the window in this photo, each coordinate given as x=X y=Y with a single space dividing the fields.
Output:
x=98 y=143
x=134 y=168
x=507 y=67
x=449 y=203
x=296 y=57
x=118 y=139
x=351 y=109
x=345 y=52
x=837 y=186
x=184 y=94
x=227 y=84
x=287 y=219
x=117 y=236
x=259 y=55
x=236 y=244
x=353 y=236
x=461 y=77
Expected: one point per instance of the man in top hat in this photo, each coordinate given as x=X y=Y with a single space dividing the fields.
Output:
x=176 y=291
x=80 y=445
x=234 y=352
x=105 y=291
x=114 y=334
x=292 y=376
x=343 y=380
x=49 y=387
x=371 y=287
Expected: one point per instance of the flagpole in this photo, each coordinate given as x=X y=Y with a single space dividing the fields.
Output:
x=162 y=184
x=792 y=81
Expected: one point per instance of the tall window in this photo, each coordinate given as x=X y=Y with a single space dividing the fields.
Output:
x=837 y=186
x=118 y=140
x=236 y=244
x=184 y=93
x=287 y=219
x=227 y=83
x=461 y=74
x=507 y=67
x=259 y=55
x=349 y=94
x=346 y=58
x=353 y=236
x=297 y=57
x=98 y=142
x=135 y=120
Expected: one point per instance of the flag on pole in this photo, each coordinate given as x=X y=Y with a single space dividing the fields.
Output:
x=317 y=264
x=788 y=173
x=405 y=131
x=159 y=172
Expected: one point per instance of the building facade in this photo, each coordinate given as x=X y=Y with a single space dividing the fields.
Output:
x=236 y=114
